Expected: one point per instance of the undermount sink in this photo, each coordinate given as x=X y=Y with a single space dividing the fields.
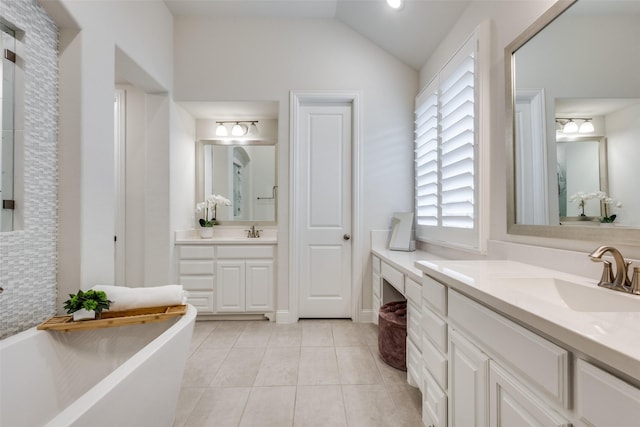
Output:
x=575 y=296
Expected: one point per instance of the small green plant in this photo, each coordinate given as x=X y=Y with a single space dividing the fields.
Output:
x=90 y=301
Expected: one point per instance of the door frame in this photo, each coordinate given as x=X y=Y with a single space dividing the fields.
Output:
x=120 y=156
x=297 y=99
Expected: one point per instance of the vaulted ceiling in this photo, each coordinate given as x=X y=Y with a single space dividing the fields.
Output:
x=410 y=34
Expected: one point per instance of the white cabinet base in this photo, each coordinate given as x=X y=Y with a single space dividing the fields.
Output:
x=513 y=405
x=604 y=400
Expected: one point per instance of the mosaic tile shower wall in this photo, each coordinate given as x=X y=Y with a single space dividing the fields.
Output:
x=28 y=257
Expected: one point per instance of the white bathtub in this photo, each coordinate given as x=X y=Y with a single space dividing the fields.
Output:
x=124 y=376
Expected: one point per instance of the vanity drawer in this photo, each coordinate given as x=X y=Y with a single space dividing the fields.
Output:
x=435 y=363
x=196 y=267
x=602 y=399
x=434 y=403
x=435 y=329
x=202 y=301
x=542 y=363
x=413 y=322
x=435 y=293
x=413 y=290
x=197 y=252
x=375 y=264
x=197 y=283
x=393 y=276
x=414 y=365
x=245 y=252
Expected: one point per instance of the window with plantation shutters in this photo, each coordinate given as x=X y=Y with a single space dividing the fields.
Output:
x=427 y=160
x=446 y=153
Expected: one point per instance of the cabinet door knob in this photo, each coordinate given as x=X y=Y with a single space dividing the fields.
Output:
x=346 y=236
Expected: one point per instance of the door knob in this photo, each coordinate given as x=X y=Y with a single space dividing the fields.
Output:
x=346 y=236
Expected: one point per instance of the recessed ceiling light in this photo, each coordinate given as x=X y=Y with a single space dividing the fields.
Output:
x=395 y=4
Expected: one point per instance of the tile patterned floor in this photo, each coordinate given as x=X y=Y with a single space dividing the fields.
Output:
x=312 y=373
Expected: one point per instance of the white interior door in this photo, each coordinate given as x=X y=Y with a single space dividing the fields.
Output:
x=323 y=200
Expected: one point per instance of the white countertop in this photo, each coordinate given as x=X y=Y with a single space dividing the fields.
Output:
x=528 y=295
x=227 y=236
x=405 y=261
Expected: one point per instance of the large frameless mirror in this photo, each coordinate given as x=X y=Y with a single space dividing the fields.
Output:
x=573 y=102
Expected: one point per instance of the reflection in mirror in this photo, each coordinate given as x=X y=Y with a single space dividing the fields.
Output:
x=578 y=63
x=245 y=174
x=581 y=179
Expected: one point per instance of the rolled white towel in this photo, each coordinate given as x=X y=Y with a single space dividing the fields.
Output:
x=125 y=298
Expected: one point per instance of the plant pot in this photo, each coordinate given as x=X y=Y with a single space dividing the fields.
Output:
x=206 y=232
x=83 y=314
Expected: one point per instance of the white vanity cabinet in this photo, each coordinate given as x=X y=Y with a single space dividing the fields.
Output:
x=245 y=279
x=413 y=292
x=468 y=380
x=196 y=268
x=499 y=366
x=496 y=356
x=603 y=399
x=434 y=353
x=227 y=278
x=393 y=280
x=244 y=286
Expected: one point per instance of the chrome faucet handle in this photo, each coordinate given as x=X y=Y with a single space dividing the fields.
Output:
x=635 y=281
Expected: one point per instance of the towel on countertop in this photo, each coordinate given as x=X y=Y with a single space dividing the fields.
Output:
x=125 y=298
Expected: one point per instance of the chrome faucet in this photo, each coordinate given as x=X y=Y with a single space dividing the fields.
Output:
x=620 y=281
x=253 y=233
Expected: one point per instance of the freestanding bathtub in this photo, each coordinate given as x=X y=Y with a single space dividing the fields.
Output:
x=122 y=376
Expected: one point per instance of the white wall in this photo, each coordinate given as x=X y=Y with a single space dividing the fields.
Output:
x=248 y=59
x=181 y=186
x=508 y=20
x=102 y=41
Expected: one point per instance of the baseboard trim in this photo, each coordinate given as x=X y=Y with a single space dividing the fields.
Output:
x=284 y=316
x=366 y=315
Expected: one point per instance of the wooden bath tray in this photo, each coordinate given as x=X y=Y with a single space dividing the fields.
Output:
x=112 y=319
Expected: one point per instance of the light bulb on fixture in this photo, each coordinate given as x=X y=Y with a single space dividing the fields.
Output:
x=253 y=129
x=559 y=126
x=570 y=127
x=586 y=127
x=221 y=130
x=395 y=4
x=238 y=129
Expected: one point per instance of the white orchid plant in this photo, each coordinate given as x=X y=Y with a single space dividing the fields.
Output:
x=581 y=198
x=209 y=207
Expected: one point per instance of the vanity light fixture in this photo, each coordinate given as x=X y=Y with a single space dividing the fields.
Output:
x=568 y=125
x=239 y=128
